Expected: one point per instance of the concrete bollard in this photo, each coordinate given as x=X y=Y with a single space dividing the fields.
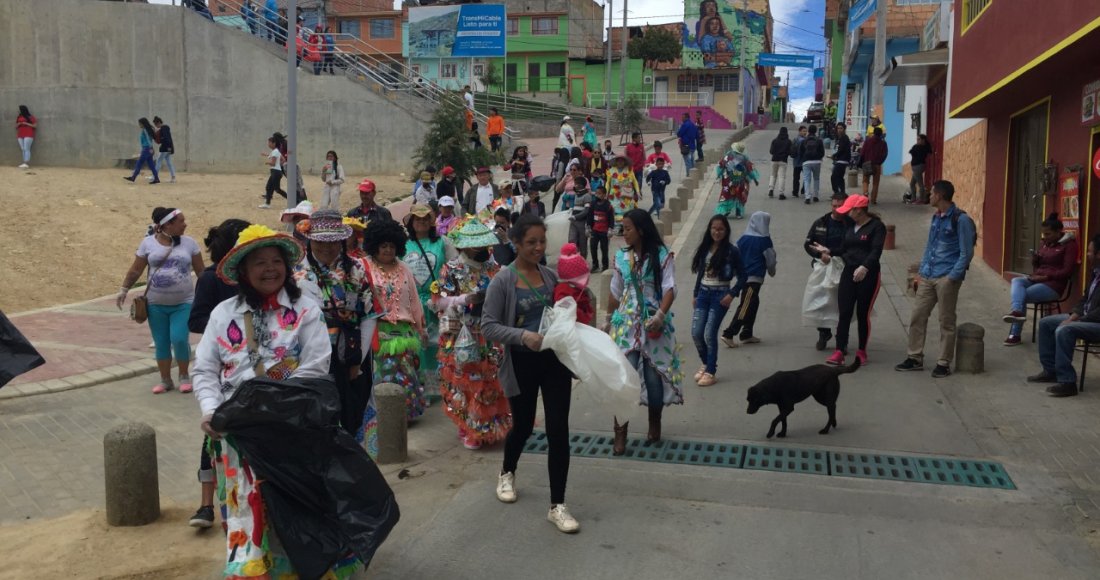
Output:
x=853 y=179
x=130 y=475
x=664 y=225
x=890 y=237
x=970 y=348
x=393 y=423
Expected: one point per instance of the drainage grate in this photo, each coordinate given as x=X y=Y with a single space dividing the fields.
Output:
x=786 y=459
x=937 y=470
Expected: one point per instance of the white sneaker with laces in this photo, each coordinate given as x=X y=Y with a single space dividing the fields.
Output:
x=506 y=488
x=559 y=514
x=24 y=166
x=265 y=206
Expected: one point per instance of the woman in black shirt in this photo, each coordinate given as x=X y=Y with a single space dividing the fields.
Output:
x=859 y=283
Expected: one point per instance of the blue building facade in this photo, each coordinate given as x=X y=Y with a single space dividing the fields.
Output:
x=855 y=86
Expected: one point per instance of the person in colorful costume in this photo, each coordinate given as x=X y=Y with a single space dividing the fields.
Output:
x=425 y=253
x=735 y=170
x=472 y=395
x=270 y=329
x=643 y=287
x=401 y=331
x=341 y=284
x=622 y=188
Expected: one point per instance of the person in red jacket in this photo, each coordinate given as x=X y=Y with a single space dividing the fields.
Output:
x=573 y=276
x=1054 y=263
x=25 y=125
x=635 y=152
x=872 y=156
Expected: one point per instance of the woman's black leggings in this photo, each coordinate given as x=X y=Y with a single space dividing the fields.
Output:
x=273 y=182
x=535 y=370
x=858 y=298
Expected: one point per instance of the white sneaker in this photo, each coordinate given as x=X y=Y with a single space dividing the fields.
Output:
x=264 y=206
x=24 y=166
x=506 y=488
x=559 y=514
x=173 y=180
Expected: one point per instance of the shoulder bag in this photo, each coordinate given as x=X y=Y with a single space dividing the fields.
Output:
x=139 y=308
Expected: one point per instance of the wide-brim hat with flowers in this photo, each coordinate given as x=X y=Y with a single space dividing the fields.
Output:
x=327 y=225
x=473 y=234
x=252 y=238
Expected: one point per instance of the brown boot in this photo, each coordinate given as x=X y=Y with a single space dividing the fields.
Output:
x=618 y=446
x=654 y=434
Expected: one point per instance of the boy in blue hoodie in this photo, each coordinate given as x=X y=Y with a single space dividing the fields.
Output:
x=757 y=257
x=658 y=180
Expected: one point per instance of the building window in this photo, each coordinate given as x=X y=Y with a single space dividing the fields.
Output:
x=687 y=84
x=381 y=28
x=555 y=69
x=725 y=83
x=971 y=10
x=350 y=27
x=415 y=69
x=448 y=70
x=544 y=25
x=513 y=26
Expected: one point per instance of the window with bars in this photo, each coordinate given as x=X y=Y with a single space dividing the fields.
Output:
x=971 y=10
x=693 y=83
x=544 y=26
x=513 y=26
x=448 y=70
x=350 y=27
x=381 y=28
x=555 y=69
x=725 y=83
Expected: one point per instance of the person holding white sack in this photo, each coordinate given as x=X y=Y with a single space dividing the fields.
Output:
x=643 y=287
x=824 y=242
x=859 y=283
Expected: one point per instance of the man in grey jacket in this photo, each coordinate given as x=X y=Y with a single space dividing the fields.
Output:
x=1059 y=333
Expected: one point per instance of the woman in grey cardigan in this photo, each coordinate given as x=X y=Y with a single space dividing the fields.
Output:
x=512 y=313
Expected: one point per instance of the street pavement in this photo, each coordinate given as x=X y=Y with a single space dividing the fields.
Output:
x=652 y=520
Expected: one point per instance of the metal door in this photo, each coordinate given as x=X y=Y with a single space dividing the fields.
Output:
x=533 y=76
x=1027 y=154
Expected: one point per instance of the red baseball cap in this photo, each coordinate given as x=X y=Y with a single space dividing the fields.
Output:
x=366 y=185
x=448 y=170
x=853 y=202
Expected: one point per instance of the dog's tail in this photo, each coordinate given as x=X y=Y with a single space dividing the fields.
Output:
x=848 y=369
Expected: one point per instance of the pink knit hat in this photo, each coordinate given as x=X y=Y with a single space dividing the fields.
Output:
x=572 y=267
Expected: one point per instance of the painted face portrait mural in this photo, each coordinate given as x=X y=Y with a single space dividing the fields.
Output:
x=712 y=34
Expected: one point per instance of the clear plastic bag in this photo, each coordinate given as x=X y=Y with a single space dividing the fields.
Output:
x=820 y=308
x=466 y=347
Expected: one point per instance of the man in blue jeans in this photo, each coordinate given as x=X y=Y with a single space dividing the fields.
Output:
x=688 y=135
x=1058 y=335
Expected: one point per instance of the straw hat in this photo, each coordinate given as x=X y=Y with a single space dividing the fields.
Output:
x=417 y=210
x=254 y=237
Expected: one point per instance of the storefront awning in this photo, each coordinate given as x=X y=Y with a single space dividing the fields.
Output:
x=916 y=68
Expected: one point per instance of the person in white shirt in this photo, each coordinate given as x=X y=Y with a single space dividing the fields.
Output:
x=566 y=136
x=333 y=175
x=425 y=193
x=276 y=144
x=483 y=193
x=468 y=96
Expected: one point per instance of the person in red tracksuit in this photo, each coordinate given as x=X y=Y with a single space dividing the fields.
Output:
x=635 y=152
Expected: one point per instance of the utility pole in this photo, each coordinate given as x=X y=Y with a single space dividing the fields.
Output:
x=607 y=83
x=741 y=64
x=877 y=91
x=291 y=103
x=622 y=59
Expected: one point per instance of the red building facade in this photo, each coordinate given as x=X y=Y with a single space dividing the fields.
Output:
x=1026 y=74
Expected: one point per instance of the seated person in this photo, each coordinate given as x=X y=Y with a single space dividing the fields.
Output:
x=1053 y=263
x=1059 y=333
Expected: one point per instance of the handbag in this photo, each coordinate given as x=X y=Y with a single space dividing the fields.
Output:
x=139 y=308
x=684 y=149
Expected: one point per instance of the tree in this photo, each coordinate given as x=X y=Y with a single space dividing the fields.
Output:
x=491 y=76
x=654 y=46
x=448 y=143
x=629 y=116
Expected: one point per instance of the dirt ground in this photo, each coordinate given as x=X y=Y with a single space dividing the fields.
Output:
x=82 y=545
x=71 y=233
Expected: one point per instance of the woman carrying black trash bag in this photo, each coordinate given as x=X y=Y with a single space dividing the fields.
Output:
x=269 y=330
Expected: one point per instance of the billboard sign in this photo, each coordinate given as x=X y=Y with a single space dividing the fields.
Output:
x=860 y=12
x=792 y=60
x=465 y=30
x=712 y=34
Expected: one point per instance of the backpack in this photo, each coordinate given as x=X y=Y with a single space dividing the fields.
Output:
x=955 y=225
x=813 y=149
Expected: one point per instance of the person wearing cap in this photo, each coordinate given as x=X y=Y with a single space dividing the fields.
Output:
x=622 y=188
x=401 y=327
x=298 y=217
x=827 y=232
x=270 y=330
x=449 y=185
x=507 y=200
x=861 y=251
x=340 y=284
x=483 y=193
x=425 y=253
x=367 y=210
x=875 y=123
x=688 y=137
x=947 y=256
x=471 y=391
x=447 y=218
x=430 y=170
x=425 y=193
x=566 y=136
x=170 y=257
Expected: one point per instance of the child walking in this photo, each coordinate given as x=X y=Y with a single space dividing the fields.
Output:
x=600 y=218
x=757 y=257
x=658 y=179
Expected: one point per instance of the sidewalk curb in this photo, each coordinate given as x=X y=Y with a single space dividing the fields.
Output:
x=80 y=381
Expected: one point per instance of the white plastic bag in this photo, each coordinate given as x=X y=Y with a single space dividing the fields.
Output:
x=589 y=354
x=820 y=308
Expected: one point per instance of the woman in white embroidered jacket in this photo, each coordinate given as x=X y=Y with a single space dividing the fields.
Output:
x=270 y=328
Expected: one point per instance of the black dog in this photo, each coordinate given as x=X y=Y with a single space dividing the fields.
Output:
x=786 y=389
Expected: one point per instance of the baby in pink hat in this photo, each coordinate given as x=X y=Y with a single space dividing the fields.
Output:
x=573 y=281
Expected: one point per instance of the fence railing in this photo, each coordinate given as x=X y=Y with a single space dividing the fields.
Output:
x=649 y=99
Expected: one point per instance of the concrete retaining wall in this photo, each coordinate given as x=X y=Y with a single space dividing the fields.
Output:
x=88 y=70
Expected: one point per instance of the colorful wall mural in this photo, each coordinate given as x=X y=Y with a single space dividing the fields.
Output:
x=713 y=31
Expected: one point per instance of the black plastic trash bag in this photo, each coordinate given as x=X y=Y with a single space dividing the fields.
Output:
x=17 y=355
x=324 y=496
x=543 y=183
